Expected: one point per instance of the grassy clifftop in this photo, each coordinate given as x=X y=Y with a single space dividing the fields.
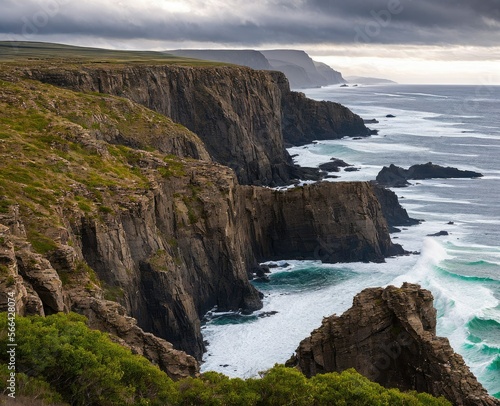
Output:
x=79 y=153
x=33 y=52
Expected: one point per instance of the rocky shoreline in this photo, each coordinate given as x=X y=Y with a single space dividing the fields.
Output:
x=183 y=219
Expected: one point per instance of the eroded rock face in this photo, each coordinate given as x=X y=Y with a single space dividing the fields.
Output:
x=331 y=222
x=244 y=117
x=389 y=336
x=394 y=213
x=170 y=237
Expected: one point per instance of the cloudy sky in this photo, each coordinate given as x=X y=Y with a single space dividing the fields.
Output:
x=411 y=41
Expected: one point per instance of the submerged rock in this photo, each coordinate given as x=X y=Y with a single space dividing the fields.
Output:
x=389 y=336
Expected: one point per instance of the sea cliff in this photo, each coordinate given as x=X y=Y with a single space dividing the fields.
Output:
x=115 y=211
x=244 y=117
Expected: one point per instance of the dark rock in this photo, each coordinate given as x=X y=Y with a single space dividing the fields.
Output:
x=334 y=165
x=395 y=176
x=332 y=177
x=439 y=234
x=351 y=169
x=310 y=222
x=390 y=116
x=371 y=121
x=394 y=213
x=330 y=167
x=268 y=314
x=392 y=176
x=450 y=223
x=389 y=336
x=431 y=171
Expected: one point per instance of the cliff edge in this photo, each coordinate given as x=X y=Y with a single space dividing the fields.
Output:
x=244 y=117
x=389 y=336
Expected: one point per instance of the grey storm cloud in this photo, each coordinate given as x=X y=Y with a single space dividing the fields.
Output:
x=239 y=22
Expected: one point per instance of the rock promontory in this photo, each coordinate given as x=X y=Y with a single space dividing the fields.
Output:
x=389 y=336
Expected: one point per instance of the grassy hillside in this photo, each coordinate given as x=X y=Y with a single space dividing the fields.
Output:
x=17 y=51
x=52 y=158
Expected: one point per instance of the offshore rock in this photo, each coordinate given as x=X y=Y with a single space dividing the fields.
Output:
x=389 y=336
x=395 y=176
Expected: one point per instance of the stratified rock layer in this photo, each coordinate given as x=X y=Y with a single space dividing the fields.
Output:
x=389 y=336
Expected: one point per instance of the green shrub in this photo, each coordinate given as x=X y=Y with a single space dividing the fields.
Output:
x=84 y=366
x=59 y=359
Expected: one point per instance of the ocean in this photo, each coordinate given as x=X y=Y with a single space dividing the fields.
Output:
x=448 y=125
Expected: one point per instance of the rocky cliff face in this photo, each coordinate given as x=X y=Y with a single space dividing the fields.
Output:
x=116 y=212
x=244 y=117
x=389 y=336
x=334 y=222
x=394 y=213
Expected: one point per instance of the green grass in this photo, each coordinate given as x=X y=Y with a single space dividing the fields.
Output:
x=34 y=52
x=41 y=243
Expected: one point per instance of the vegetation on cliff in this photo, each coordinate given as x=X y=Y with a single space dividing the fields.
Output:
x=60 y=360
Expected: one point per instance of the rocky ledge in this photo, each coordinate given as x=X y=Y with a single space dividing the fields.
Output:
x=395 y=176
x=389 y=336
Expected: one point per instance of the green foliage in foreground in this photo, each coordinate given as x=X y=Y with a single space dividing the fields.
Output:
x=61 y=361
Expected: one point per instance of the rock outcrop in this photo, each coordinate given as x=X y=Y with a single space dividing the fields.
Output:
x=394 y=213
x=395 y=176
x=389 y=336
x=333 y=222
x=244 y=117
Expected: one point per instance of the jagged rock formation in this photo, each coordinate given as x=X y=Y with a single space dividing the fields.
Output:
x=244 y=117
x=394 y=213
x=389 y=336
x=394 y=176
x=107 y=200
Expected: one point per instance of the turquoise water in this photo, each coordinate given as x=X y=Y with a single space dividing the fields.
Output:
x=448 y=125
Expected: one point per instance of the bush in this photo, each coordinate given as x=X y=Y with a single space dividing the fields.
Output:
x=84 y=366
x=59 y=359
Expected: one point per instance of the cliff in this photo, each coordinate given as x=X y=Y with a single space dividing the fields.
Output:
x=300 y=70
x=245 y=118
x=389 y=336
x=114 y=211
x=333 y=222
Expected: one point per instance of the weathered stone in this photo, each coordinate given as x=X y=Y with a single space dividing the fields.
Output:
x=244 y=117
x=389 y=336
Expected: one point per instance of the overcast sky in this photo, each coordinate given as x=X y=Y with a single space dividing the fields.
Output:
x=412 y=41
